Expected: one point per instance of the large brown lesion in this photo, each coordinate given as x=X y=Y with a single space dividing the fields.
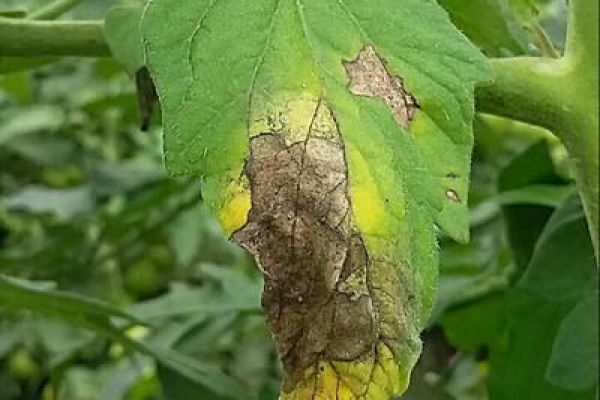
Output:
x=369 y=76
x=300 y=231
x=326 y=298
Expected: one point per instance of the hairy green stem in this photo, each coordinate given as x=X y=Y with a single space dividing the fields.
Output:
x=522 y=90
x=581 y=135
x=54 y=9
x=26 y=38
x=561 y=95
x=543 y=41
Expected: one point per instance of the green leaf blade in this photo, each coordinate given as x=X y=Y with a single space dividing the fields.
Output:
x=122 y=32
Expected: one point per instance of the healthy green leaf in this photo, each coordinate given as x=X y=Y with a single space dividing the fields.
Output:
x=182 y=300
x=185 y=233
x=545 y=324
x=490 y=24
x=15 y=86
x=562 y=244
x=12 y=12
x=531 y=329
x=14 y=64
x=38 y=118
x=526 y=10
x=176 y=387
x=525 y=221
x=553 y=295
x=574 y=361
x=64 y=204
x=544 y=195
x=478 y=324
x=201 y=375
x=123 y=377
x=122 y=31
x=18 y=294
x=42 y=148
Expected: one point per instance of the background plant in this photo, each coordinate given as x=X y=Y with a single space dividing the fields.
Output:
x=87 y=215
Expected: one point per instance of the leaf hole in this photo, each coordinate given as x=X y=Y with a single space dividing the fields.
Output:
x=451 y=194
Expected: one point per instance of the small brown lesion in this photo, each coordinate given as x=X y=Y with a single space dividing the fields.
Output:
x=370 y=77
x=452 y=195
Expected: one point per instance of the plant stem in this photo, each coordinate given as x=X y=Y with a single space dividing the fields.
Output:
x=54 y=9
x=542 y=41
x=522 y=90
x=581 y=134
x=26 y=38
x=561 y=95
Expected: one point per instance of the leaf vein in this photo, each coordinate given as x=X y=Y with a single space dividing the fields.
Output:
x=260 y=63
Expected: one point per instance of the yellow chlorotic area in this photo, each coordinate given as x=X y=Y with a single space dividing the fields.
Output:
x=233 y=214
x=367 y=203
x=421 y=124
x=290 y=115
x=292 y=118
x=373 y=378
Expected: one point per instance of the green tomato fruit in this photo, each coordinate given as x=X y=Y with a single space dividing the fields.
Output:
x=144 y=279
x=22 y=366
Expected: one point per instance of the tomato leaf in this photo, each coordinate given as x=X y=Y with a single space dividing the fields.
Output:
x=380 y=94
x=490 y=24
x=122 y=32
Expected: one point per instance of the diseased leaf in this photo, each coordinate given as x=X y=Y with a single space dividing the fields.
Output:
x=330 y=137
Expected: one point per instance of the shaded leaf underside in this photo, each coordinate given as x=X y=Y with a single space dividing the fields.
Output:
x=317 y=124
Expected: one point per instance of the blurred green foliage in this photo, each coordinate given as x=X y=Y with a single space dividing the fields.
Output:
x=86 y=208
x=122 y=287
